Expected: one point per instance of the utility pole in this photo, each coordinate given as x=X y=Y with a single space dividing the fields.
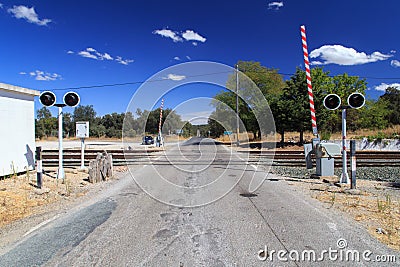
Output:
x=237 y=105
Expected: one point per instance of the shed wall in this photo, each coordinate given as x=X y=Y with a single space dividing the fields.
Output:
x=17 y=132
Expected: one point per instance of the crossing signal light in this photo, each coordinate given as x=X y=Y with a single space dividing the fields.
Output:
x=47 y=98
x=332 y=101
x=71 y=99
x=356 y=100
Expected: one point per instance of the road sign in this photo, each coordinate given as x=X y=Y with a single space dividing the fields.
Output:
x=82 y=129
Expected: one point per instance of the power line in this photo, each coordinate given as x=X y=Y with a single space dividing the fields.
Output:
x=132 y=83
x=193 y=76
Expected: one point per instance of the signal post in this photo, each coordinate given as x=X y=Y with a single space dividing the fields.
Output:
x=48 y=99
x=333 y=102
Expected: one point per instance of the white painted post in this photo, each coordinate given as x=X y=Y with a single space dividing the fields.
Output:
x=82 y=153
x=60 y=174
x=344 y=179
x=353 y=164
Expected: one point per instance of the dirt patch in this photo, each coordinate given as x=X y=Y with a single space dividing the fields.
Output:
x=376 y=205
x=20 y=198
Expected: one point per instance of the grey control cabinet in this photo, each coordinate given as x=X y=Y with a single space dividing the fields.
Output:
x=325 y=163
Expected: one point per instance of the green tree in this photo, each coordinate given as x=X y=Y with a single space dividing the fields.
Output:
x=45 y=124
x=267 y=80
x=296 y=103
x=188 y=130
x=113 y=123
x=149 y=121
x=374 y=115
x=215 y=128
x=43 y=113
x=84 y=113
x=392 y=98
x=68 y=125
x=130 y=126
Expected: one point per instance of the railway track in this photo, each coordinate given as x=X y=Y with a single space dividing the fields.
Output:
x=293 y=158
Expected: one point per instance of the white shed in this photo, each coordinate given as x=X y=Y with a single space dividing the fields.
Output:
x=17 y=134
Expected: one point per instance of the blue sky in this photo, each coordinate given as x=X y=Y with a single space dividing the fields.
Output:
x=61 y=44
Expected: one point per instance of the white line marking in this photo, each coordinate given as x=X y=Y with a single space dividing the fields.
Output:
x=40 y=225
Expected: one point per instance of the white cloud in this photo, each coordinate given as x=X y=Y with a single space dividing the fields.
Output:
x=29 y=14
x=177 y=58
x=275 y=5
x=122 y=61
x=175 y=77
x=384 y=86
x=190 y=35
x=70 y=52
x=395 y=63
x=107 y=56
x=338 y=54
x=169 y=34
x=189 y=58
x=43 y=76
x=94 y=54
x=1 y=5
x=87 y=54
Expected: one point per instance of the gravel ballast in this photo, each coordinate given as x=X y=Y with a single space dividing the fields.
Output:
x=387 y=174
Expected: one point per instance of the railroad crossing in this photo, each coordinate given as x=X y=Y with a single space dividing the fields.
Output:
x=294 y=158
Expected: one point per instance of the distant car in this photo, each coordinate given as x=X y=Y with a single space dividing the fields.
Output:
x=147 y=140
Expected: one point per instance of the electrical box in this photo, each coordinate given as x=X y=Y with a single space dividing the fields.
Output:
x=82 y=129
x=328 y=150
x=325 y=162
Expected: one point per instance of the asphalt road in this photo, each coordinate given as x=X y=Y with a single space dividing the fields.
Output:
x=192 y=207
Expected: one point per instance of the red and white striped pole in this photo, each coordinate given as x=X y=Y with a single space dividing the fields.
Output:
x=308 y=74
x=161 y=110
x=159 y=139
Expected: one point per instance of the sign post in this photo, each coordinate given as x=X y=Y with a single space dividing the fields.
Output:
x=82 y=132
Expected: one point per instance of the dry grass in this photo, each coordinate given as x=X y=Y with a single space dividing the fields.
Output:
x=377 y=208
x=391 y=131
x=20 y=198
